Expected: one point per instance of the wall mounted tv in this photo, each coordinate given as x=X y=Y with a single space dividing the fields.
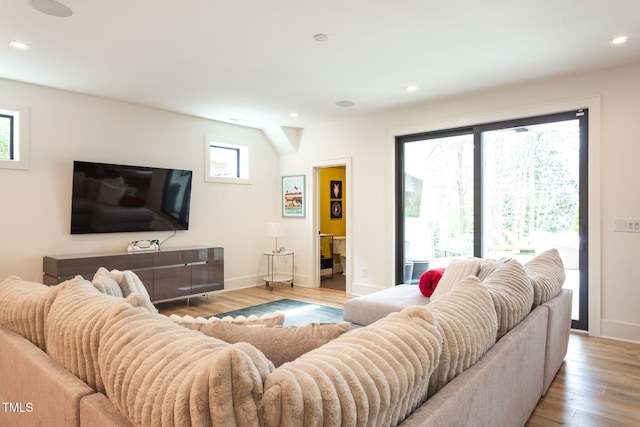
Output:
x=109 y=198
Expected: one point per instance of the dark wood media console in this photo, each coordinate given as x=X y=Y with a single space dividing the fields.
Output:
x=167 y=274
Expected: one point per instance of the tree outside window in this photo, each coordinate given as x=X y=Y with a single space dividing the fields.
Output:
x=6 y=137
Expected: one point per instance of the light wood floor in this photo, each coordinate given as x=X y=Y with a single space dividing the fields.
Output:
x=233 y=300
x=598 y=385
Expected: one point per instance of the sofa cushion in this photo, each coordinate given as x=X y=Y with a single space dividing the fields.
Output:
x=468 y=322
x=24 y=307
x=488 y=266
x=370 y=376
x=77 y=317
x=512 y=294
x=106 y=284
x=367 y=309
x=159 y=373
x=457 y=270
x=429 y=281
x=547 y=275
x=279 y=344
x=129 y=283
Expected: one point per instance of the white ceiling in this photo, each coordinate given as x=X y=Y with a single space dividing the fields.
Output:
x=253 y=62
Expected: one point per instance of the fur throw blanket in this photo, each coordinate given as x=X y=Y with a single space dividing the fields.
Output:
x=467 y=320
x=24 y=307
x=374 y=376
x=158 y=373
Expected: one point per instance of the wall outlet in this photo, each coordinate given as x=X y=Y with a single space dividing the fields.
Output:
x=627 y=225
x=364 y=273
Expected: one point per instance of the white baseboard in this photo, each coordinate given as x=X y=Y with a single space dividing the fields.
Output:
x=620 y=331
x=300 y=280
x=242 y=282
x=253 y=281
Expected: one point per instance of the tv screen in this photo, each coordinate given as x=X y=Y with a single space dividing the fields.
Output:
x=109 y=198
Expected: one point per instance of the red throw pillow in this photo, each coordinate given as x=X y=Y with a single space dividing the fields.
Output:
x=429 y=280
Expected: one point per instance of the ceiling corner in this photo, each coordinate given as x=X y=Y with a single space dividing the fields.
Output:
x=284 y=139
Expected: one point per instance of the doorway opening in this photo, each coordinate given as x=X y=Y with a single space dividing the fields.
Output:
x=330 y=224
x=333 y=227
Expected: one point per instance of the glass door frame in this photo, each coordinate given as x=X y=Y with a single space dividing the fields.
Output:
x=582 y=115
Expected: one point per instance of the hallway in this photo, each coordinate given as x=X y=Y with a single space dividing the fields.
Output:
x=337 y=282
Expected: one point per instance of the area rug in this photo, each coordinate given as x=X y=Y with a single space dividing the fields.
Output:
x=296 y=313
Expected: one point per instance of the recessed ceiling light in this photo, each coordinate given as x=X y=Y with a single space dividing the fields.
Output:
x=19 y=45
x=345 y=104
x=321 y=37
x=51 y=8
x=294 y=115
x=620 y=40
x=411 y=88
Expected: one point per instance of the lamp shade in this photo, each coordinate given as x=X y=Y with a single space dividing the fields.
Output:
x=275 y=229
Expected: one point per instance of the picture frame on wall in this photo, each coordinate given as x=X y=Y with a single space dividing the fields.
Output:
x=336 y=209
x=336 y=189
x=293 y=196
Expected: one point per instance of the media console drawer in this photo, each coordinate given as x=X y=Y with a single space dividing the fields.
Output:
x=65 y=268
x=188 y=256
x=166 y=274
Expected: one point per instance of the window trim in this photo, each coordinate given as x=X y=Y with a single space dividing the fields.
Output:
x=245 y=166
x=20 y=138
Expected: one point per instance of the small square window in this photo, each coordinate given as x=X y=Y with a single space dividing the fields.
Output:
x=14 y=139
x=227 y=163
x=224 y=162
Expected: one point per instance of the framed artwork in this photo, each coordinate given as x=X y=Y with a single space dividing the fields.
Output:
x=336 y=189
x=293 y=196
x=336 y=209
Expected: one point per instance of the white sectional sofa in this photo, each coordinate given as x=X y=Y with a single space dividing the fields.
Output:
x=480 y=354
x=504 y=386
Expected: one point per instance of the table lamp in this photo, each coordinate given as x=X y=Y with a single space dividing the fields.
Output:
x=275 y=229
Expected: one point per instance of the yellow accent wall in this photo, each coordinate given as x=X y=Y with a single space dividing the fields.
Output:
x=328 y=225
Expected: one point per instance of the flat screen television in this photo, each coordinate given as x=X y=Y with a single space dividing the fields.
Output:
x=110 y=198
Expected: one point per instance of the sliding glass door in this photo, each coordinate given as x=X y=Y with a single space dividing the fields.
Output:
x=438 y=201
x=510 y=189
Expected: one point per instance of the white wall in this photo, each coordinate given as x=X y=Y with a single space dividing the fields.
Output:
x=368 y=140
x=64 y=126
